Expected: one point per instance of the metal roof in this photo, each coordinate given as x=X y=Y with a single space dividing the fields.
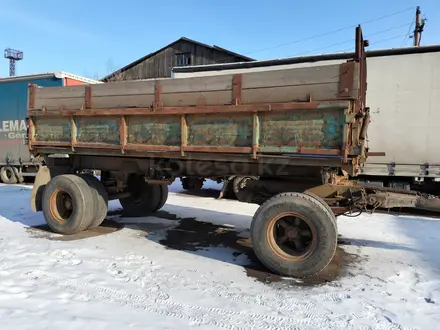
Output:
x=58 y=74
x=304 y=59
x=128 y=66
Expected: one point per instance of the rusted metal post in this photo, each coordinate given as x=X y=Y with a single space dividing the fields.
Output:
x=255 y=135
x=87 y=97
x=31 y=96
x=183 y=134
x=31 y=133
x=237 y=88
x=123 y=134
x=157 y=95
x=73 y=133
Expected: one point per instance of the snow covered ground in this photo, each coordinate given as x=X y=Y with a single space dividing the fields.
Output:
x=192 y=267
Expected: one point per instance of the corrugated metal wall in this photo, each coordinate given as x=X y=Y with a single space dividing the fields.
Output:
x=13 y=111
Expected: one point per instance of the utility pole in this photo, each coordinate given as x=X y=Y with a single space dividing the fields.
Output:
x=420 y=24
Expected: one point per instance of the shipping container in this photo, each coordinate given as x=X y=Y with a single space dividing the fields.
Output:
x=16 y=163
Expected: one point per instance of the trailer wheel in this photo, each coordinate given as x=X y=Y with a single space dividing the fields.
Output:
x=68 y=204
x=100 y=199
x=294 y=235
x=7 y=174
x=18 y=175
x=144 y=198
x=319 y=199
x=163 y=197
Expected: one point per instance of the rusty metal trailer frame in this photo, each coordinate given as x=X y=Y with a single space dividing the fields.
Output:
x=351 y=155
x=293 y=209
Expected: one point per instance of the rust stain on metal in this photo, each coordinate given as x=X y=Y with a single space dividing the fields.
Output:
x=73 y=131
x=157 y=95
x=237 y=82
x=32 y=89
x=259 y=107
x=255 y=135
x=153 y=148
x=201 y=101
x=51 y=144
x=231 y=150
x=123 y=133
x=317 y=151
x=376 y=154
x=31 y=135
x=97 y=146
x=346 y=77
x=87 y=96
x=184 y=134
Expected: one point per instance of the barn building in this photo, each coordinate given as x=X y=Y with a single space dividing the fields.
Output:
x=182 y=52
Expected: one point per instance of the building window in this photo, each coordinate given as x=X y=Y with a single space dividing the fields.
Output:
x=183 y=59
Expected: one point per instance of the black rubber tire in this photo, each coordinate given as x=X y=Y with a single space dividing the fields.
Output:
x=100 y=199
x=192 y=184
x=144 y=200
x=7 y=175
x=229 y=190
x=316 y=214
x=319 y=199
x=163 y=197
x=20 y=178
x=82 y=199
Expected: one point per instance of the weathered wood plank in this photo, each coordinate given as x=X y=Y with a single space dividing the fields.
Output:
x=122 y=101
x=59 y=92
x=67 y=103
x=123 y=88
x=192 y=98
x=196 y=84
x=290 y=93
x=292 y=77
x=222 y=109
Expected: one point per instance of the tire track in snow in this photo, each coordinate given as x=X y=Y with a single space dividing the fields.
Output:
x=156 y=303
x=306 y=311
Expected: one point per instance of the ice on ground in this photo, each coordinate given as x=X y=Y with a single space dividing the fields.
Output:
x=188 y=267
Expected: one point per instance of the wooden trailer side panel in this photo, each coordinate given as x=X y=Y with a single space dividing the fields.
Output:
x=299 y=84
x=297 y=111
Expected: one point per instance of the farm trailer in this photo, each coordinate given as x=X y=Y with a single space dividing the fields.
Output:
x=292 y=135
x=403 y=95
x=16 y=163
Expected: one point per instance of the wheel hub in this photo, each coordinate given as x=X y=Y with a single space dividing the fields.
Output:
x=61 y=206
x=292 y=233
x=291 y=236
x=67 y=203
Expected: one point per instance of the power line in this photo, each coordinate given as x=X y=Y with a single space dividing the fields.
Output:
x=331 y=32
x=350 y=40
x=376 y=42
x=405 y=40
